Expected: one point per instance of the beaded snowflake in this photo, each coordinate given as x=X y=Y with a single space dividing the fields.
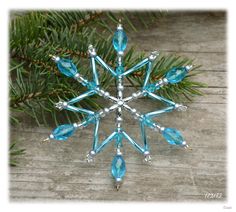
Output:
x=173 y=76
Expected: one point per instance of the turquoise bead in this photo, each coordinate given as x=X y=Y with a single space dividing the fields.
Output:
x=66 y=67
x=176 y=75
x=63 y=132
x=120 y=70
x=150 y=88
x=118 y=167
x=173 y=136
x=120 y=40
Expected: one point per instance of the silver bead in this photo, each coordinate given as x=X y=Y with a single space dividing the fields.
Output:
x=119 y=119
x=134 y=95
x=180 y=107
x=65 y=104
x=77 y=75
x=120 y=102
x=188 y=67
x=55 y=58
x=60 y=105
x=165 y=81
x=153 y=56
x=92 y=51
x=118 y=152
x=75 y=125
x=51 y=136
x=120 y=53
x=133 y=110
x=106 y=95
x=147 y=157
x=119 y=26
x=120 y=87
x=90 y=156
x=106 y=110
x=162 y=129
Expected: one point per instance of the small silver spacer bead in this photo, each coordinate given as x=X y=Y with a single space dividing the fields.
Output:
x=162 y=129
x=60 y=105
x=90 y=156
x=119 y=26
x=92 y=51
x=75 y=125
x=134 y=95
x=65 y=104
x=118 y=152
x=106 y=110
x=147 y=157
x=133 y=111
x=188 y=67
x=77 y=75
x=51 y=136
x=106 y=95
x=165 y=81
x=92 y=153
x=120 y=53
x=120 y=102
x=120 y=87
x=180 y=107
x=119 y=120
x=55 y=58
x=153 y=56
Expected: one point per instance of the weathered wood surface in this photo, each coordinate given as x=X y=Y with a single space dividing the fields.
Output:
x=58 y=171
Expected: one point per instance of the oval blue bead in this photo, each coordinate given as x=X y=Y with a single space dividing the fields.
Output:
x=176 y=75
x=63 y=132
x=118 y=167
x=66 y=67
x=120 y=40
x=173 y=136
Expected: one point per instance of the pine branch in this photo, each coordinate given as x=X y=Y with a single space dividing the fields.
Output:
x=14 y=152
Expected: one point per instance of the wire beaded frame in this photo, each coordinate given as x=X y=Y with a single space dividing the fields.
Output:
x=119 y=102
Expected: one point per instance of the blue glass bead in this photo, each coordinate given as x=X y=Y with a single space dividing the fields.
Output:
x=173 y=136
x=150 y=88
x=63 y=132
x=118 y=168
x=176 y=75
x=120 y=70
x=120 y=40
x=66 y=67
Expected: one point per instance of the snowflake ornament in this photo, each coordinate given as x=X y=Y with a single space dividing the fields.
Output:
x=172 y=136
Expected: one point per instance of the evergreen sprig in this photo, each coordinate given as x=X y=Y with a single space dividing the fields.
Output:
x=14 y=153
x=35 y=83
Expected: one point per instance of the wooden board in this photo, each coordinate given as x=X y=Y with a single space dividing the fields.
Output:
x=58 y=171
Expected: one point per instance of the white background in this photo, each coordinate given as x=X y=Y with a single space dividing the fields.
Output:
x=227 y=5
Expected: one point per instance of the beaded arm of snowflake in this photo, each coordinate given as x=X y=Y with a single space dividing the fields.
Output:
x=172 y=136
